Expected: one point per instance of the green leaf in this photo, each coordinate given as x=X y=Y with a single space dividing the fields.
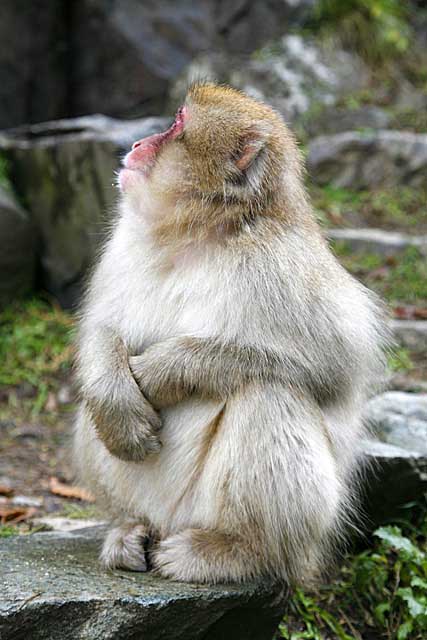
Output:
x=404 y=630
x=393 y=538
x=416 y=606
x=416 y=581
x=380 y=610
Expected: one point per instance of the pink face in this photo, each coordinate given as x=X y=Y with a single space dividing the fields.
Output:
x=144 y=152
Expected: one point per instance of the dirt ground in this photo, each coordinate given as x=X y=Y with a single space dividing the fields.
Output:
x=35 y=448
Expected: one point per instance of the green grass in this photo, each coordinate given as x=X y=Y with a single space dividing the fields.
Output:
x=410 y=119
x=6 y=531
x=400 y=360
x=395 y=208
x=80 y=512
x=379 y=593
x=377 y=29
x=4 y=179
x=35 y=346
x=399 y=279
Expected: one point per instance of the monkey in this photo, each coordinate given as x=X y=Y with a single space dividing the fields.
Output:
x=224 y=357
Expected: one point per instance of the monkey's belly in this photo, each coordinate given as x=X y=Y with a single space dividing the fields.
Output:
x=245 y=462
x=165 y=487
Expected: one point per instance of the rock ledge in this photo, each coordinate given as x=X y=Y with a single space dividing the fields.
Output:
x=53 y=588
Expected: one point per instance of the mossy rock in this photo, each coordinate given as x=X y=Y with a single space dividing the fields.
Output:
x=55 y=589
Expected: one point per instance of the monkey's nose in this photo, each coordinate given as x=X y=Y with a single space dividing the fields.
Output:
x=136 y=144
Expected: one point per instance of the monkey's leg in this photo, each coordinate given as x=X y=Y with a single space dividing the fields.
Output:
x=201 y=555
x=125 y=547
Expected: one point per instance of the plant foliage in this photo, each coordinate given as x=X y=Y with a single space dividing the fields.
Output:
x=380 y=593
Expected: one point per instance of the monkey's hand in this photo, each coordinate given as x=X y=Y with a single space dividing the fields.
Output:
x=124 y=419
x=127 y=424
x=170 y=371
x=157 y=374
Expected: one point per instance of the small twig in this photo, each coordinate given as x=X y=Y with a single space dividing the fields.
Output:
x=352 y=629
x=33 y=597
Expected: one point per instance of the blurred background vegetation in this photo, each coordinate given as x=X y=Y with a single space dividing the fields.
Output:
x=350 y=77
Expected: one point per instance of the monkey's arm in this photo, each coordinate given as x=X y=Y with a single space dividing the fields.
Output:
x=175 y=369
x=124 y=419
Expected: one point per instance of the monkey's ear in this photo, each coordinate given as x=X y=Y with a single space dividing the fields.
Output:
x=252 y=145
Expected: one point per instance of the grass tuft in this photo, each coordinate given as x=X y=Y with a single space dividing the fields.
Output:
x=35 y=346
x=379 y=593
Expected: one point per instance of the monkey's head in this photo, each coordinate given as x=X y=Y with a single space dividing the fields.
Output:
x=224 y=153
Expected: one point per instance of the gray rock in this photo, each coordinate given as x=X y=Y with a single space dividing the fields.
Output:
x=243 y=25
x=33 y=60
x=294 y=75
x=155 y=41
x=26 y=501
x=330 y=120
x=403 y=382
x=67 y=58
x=378 y=241
x=18 y=241
x=411 y=334
x=400 y=419
x=397 y=458
x=53 y=587
x=395 y=477
x=64 y=172
x=371 y=159
x=57 y=523
x=152 y=41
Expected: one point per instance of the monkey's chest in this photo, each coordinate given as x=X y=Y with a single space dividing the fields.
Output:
x=173 y=308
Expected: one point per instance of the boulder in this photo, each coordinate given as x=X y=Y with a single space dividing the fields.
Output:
x=295 y=75
x=400 y=419
x=130 y=51
x=364 y=160
x=372 y=240
x=64 y=172
x=243 y=26
x=395 y=478
x=65 y=58
x=397 y=458
x=33 y=62
x=411 y=334
x=336 y=119
x=53 y=588
x=18 y=241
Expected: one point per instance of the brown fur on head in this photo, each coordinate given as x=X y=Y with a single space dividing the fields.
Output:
x=225 y=158
x=236 y=145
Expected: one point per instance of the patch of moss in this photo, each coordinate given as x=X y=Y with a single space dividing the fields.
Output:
x=4 y=174
x=6 y=531
x=401 y=278
x=398 y=207
x=400 y=360
x=35 y=346
x=80 y=512
x=410 y=119
x=378 y=31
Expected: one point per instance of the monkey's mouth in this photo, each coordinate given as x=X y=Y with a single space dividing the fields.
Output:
x=143 y=155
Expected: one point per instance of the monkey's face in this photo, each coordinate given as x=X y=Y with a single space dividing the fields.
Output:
x=222 y=147
x=139 y=163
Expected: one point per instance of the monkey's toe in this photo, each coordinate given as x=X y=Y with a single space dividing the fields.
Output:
x=125 y=548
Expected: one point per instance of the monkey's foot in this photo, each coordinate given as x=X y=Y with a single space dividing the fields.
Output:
x=197 y=555
x=125 y=548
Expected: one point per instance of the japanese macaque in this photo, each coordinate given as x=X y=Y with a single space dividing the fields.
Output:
x=224 y=356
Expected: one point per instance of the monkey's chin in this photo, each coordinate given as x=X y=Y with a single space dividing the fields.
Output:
x=129 y=179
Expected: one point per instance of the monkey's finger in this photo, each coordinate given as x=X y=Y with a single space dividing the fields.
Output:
x=150 y=417
x=152 y=444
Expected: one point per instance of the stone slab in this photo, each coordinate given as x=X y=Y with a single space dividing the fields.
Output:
x=52 y=588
